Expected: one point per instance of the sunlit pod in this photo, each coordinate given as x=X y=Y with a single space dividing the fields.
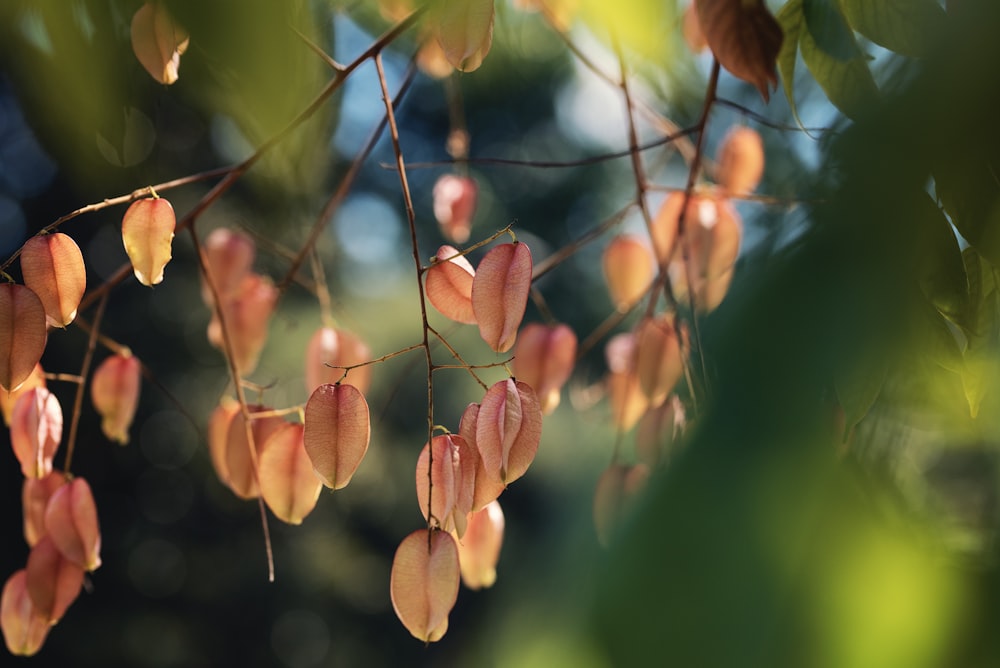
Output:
x=229 y=256
x=148 y=233
x=54 y=581
x=486 y=488
x=479 y=548
x=158 y=41
x=114 y=391
x=22 y=334
x=35 y=495
x=218 y=435
x=432 y=60
x=330 y=348
x=454 y=206
x=448 y=284
x=241 y=462
x=465 y=31
x=453 y=476
x=8 y=399
x=628 y=270
x=627 y=400
x=665 y=226
x=24 y=628
x=712 y=233
x=288 y=483
x=658 y=359
x=740 y=161
x=35 y=431
x=424 y=582
x=53 y=268
x=500 y=293
x=247 y=316
x=616 y=488
x=337 y=432
x=508 y=429
x=544 y=358
x=71 y=521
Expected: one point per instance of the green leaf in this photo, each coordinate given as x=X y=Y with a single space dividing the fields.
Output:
x=792 y=23
x=970 y=193
x=848 y=84
x=942 y=271
x=903 y=26
x=829 y=29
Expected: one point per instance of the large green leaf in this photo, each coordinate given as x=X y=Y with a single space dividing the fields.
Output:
x=831 y=53
x=942 y=273
x=903 y=26
x=983 y=331
x=792 y=22
x=970 y=192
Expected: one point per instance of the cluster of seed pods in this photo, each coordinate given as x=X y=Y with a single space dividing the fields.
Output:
x=696 y=240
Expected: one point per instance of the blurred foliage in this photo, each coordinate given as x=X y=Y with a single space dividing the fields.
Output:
x=777 y=536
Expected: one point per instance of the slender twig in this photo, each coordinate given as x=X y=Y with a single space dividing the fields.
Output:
x=567 y=251
x=88 y=358
x=457 y=356
x=412 y=222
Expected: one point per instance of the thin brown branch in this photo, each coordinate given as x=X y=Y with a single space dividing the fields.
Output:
x=88 y=359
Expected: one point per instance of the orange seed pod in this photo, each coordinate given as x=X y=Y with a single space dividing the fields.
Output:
x=24 y=628
x=148 y=232
x=71 y=521
x=22 y=334
x=449 y=285
x=114 y=391
x=508 y=429
x=628 y=270
x=288 y=482
x=35 y=431
x=158 y=42
x=337 y=347
x=424 y=582
x=544 y=358
x=479 y=549
x=740 y=161
x=53 y=268
x=337 y=432
x=500 y=293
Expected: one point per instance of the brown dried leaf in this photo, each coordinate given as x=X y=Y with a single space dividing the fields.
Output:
x=745 y=39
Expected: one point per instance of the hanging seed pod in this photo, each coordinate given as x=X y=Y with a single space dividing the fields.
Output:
x=8 y=399
x=424 y=583
x=465 y=31
x=242 y=476
x=35 y=495
x=628 y=402
x=35 y=431
x=53 y=268
x=628 y=270
x=158 y=42
x=148 y=232
x=740 y=161
x=508 y=429
x=337 y=432
x=544 y=358
x=218 y=435
x=229 y=258
x=71 y=521
x=114 y=390
x=24 y=628
x=22 y=334
x=500 y=294
x=247 y=315
x=454 y=473
x=449 y=285
x=53 y=581
x=486 y=488
x=479 y=549
x=658 y=359
x=454 y=206
x=288 y=483
x=330 y=348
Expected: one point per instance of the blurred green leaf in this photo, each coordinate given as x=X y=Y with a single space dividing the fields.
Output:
x=903 y=26
x=792 y=22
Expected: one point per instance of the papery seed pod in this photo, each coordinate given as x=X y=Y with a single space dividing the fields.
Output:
x=465 y=31
x=628 y=270
x=288 y=483
x=713 y=236
x=740 y=161
x=71 y=521
x=616 y=489
x=148 y=232
x=454 y=474
x=35 y=495
x=218 y=435
x=53 y=581
x=337 y=432
x=500 y=293
x=454 y=206
x=329 y=348
x=486 y=488
x=229 y=256
x=241 y=463
x=158 y=41
x=424 y=583
x=479 y=549
x=431 y=58
x=544 y=358
x=24 y=628
x=659 y=428
x=448 y=284
x=114 y=391
x=53 y=268
x=8 y=399
x=628 y=402
x=508 y=429
x=665 y=226
x=35 y=431
x=22 y=334
x=658 y=359
x=247 y=316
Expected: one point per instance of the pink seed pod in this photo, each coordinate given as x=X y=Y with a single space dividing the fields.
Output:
x=454 y=475
x=544 y=358
x=229 y=256
x=337 y=432
x=500 y=293
x=454 y=206
x=53 y=267
x=35 y=495
x=22 y=334
x=247 y=316
x=486 y=488
x=448 y=285
x=148 y=233
x=424 y=581
x=329 y=348
x=24 y=628
x=35 y=431
x=71 y=521
x=508 y=429
x=158 y=42
x=54 y=581
x=114 y=391
x=479 y=549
